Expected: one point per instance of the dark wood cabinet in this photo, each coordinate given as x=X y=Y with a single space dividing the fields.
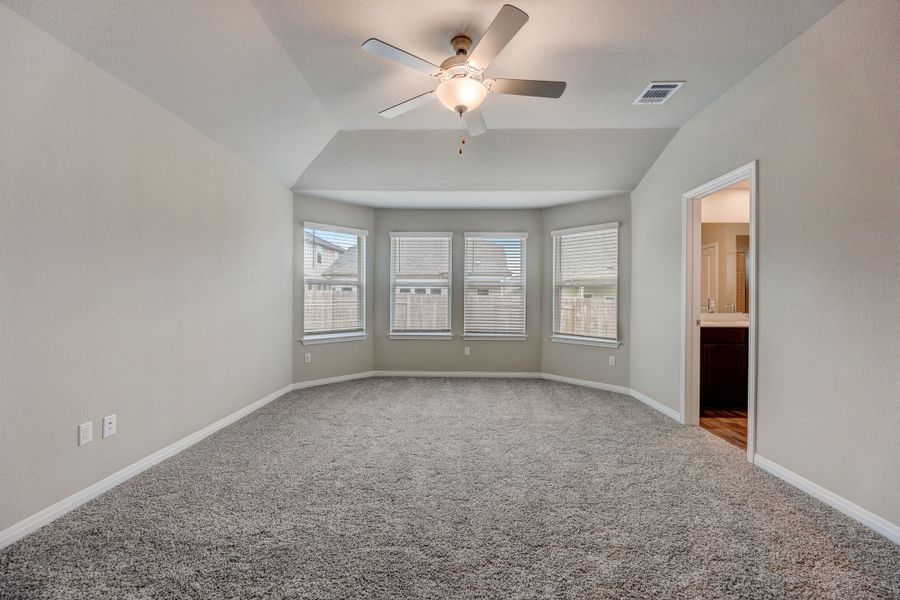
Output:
x=723 y=367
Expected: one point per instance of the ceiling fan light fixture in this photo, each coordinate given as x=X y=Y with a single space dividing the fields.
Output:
x=461 y=94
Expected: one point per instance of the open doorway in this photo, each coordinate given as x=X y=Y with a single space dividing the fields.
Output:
x=719 y=307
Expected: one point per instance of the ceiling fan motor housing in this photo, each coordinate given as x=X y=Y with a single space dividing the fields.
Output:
x=461 y=44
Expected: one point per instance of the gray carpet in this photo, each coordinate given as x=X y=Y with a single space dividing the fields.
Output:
x=454 y=488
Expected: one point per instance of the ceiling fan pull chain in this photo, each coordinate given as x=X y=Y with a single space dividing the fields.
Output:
x=462 y=137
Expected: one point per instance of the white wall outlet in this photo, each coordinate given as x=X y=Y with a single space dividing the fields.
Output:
x=467 y=351
x=307 y=357
x=612 y=361
x=109 y=425
x=85 y=433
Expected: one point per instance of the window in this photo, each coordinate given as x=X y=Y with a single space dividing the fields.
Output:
x=585 y=285
x=495 y=285
x=420 y=284
x=334 y=277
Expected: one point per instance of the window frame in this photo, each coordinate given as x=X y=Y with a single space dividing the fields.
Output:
x=362 y=306
x=583 y=340
x=512 y=235
x=425 y=335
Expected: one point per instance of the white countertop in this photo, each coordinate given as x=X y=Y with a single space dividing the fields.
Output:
x=743 y=324
x=724 y=320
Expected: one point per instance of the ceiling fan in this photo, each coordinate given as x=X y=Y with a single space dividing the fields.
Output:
x=462 y=86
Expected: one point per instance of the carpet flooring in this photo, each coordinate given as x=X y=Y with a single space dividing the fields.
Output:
x=453 y=488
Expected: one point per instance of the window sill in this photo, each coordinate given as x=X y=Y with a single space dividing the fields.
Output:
x=486 y=337
x=331 y=338
x=421 y=336
x=585 y=341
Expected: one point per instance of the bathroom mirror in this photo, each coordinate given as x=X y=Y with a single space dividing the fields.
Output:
x=725 y=251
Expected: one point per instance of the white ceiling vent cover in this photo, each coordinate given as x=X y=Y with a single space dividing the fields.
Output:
x=658 y=92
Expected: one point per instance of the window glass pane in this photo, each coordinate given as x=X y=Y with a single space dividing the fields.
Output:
x=495 y=284
x=585 y=283
x=334 y=281
x=420 y=283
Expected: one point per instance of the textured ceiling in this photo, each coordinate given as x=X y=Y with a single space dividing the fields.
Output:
x=276 y=80
x=607 y=51
x=601 y=160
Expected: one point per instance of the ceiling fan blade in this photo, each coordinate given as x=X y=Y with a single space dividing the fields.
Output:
x=407 y=105
x=527 y=87
x=403 y=57
x=475 y=122
x=506 y=24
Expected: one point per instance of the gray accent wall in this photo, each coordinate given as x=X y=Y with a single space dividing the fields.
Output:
x=144 y=272
x=588 y=362
x=432 y=355
x=823 y=120
x=534 y=355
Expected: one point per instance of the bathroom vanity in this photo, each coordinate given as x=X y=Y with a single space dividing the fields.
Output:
x=723 y=360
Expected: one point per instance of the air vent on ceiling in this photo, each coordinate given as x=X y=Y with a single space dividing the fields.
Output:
x=658 y=92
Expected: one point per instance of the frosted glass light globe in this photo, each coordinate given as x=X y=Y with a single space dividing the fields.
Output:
x=461 y=94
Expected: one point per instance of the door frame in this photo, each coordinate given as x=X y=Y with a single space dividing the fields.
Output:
x=690 y=291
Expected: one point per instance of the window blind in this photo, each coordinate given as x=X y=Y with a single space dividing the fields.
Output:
x=420 y=283
x=334 y=280
x=495 y=284
x=585 y=281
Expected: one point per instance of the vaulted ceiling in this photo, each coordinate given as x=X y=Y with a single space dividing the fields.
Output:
x=284 y=85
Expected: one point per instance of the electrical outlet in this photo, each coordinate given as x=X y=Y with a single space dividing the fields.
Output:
x=85 y=433
x=109 y=425
x=307 y=357
x=612 y=361
x=467 y=351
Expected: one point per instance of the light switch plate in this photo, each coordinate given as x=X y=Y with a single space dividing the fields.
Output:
x=467 y=351
x=612 y=361
x=307 y=357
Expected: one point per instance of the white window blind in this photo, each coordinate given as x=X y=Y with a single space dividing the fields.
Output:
x=495 y=284
x=585 y=282
x=334 y=280
x=420 y=283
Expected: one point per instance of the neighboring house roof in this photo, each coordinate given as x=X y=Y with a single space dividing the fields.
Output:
x=346 y=264
x=421 y=260
x=489 y=260
x=321 y=242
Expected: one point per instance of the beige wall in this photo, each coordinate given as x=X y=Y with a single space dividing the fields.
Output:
x=829 y=234
x=342 y=358
x=726 y=206
x=430 y=355
x=724 y=235
x=144 y=271
x=588 y=362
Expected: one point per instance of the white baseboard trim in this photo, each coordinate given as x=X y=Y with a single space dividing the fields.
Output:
x=325 y=381
x=669 y=412
x=587 y=383
x=854 y=511
x=486 y=374
x=54 y=511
